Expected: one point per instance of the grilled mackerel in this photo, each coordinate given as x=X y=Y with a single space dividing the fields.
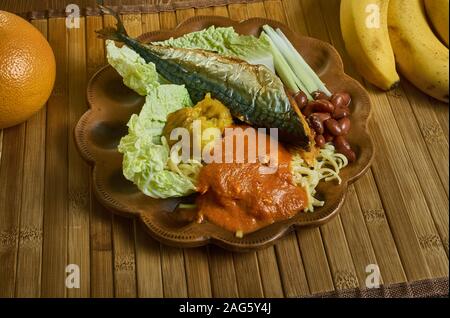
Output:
x=253 y=93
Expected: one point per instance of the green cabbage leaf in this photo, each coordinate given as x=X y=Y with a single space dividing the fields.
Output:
x=136 y=73
x=146 y=153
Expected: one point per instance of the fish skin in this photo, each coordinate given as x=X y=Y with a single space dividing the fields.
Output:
x=252 y=92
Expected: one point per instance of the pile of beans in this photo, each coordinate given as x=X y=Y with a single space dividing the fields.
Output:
x=329 y=118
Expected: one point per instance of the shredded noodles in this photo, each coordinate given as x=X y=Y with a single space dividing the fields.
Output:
x=190 y=169
x=326 y=167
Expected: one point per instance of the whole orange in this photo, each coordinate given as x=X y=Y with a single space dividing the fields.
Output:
x=27 y=70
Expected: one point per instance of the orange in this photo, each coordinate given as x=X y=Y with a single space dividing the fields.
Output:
x=27 y=70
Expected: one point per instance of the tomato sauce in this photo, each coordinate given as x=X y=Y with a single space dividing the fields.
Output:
x=238 y=197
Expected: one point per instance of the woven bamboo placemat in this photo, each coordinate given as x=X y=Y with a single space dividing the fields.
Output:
x=38 y=9
x=396 y=216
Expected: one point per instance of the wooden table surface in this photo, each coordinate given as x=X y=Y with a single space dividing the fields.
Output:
x=396 y=216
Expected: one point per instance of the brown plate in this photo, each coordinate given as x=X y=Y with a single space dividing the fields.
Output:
x=99 y=130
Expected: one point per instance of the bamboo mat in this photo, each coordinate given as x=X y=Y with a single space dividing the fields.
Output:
x=396 y=216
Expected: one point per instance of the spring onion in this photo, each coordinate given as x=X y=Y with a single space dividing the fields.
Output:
x=285 y=72
x=305 y=65
x=291 y=66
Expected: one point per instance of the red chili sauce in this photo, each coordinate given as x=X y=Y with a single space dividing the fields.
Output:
x=237 y=197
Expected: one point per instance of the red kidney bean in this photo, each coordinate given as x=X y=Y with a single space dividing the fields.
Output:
x=333 y=127
x=343 y=147
x=341 y=112
x=301 y=99
x=340 y=99
x=322 y=116
x=319 y=95
x=316 y=123
x=350 y=154
x=344 y=123
x=308 y=110
x=341 y=142
x=320 y=141
x=322 y=106
x=328 y=137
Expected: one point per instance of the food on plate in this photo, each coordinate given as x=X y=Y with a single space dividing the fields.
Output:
x=254 y=179
x=210 y=113
x=291 y=66
x=271 y=49
x=146 y=153
x=137 y=74
x=27 y=70
x=421 y=57
x=225 y=41
x=253 y=93
x=380 y=35
x=238 y=197
x=369 y=45
x=438 y=12
x=329 y=118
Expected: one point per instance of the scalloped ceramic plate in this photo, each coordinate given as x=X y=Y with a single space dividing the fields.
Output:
x=99 y=130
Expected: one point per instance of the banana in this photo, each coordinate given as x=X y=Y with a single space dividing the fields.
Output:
x=437 y=11
x=420 y=56
x=365 y=32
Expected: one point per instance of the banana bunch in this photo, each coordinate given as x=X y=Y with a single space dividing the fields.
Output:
x=437 y=11
x=380 y=34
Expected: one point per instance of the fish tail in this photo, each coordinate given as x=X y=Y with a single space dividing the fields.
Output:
x=110 y=33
